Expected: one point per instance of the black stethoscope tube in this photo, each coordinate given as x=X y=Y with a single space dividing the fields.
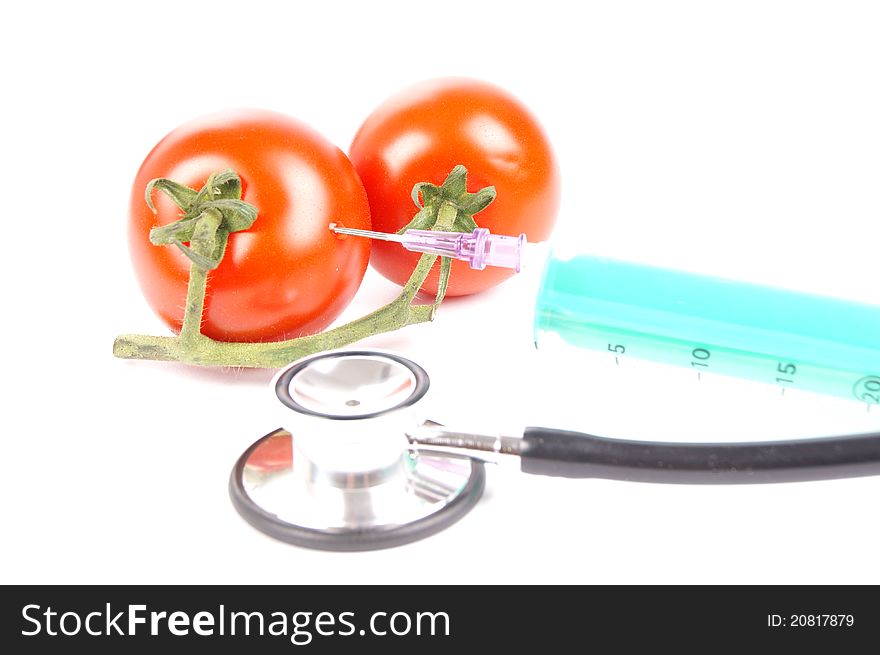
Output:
x=562 y=453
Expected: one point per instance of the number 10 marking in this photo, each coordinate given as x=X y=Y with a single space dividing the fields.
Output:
x=701 y=355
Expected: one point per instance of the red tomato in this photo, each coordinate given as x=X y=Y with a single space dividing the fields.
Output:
x=420 y=134
x=285 y=276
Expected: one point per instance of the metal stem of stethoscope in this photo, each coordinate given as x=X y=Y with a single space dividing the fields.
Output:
x=358 y=470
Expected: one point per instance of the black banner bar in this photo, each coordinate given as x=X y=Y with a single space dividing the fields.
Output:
x=415 y=619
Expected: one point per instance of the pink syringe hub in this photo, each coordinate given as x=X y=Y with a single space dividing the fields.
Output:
x=480 y=248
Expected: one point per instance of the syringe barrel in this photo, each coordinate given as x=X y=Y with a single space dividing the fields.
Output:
x=788 y=338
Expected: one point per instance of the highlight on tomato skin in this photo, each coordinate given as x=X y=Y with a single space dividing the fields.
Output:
x=421 y=133
x=285 y=276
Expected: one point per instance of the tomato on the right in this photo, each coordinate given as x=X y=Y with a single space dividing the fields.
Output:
x=421 y=133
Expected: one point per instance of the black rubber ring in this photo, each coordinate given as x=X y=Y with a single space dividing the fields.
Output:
x=348 y=540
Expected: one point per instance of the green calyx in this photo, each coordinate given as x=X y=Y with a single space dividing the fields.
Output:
x=199 y=225
x=216 y=210
x=450 y=208
x=429 y=198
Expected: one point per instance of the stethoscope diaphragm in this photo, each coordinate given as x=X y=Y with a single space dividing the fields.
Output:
x=342 y=477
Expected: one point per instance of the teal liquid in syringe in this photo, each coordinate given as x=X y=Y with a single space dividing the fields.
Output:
x=787 y=338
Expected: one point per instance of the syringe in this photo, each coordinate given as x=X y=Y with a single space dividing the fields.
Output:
x=480 y=248
x=707 y=324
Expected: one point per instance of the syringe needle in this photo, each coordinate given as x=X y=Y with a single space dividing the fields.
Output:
x=381 y=236
x=479 y=249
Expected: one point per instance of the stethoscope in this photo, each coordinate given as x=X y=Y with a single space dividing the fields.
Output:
x=360 y=468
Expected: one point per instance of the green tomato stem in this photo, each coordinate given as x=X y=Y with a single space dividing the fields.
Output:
x=202 y=244
x=204 y=351
x=445 y=217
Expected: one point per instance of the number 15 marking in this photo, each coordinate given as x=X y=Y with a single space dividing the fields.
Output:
x=786 y=369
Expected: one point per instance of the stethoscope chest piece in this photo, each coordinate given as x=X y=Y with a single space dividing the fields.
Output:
x=340 y=476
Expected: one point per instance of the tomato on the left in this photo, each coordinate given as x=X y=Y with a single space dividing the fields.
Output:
x=288 y=274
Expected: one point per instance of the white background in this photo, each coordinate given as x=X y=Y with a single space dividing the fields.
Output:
x=739 y=139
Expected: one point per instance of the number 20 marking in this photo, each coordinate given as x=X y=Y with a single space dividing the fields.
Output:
x=868 y=389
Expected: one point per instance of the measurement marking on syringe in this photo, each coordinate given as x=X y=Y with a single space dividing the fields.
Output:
x=868 y=389
x=628 y=349
x=702 y=355
x=618 y=348
x=786 y=368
